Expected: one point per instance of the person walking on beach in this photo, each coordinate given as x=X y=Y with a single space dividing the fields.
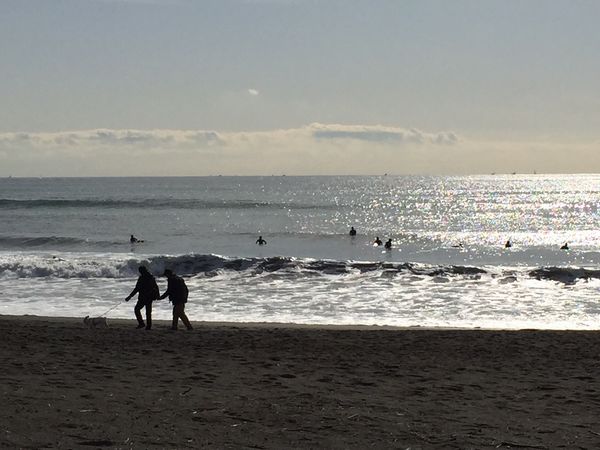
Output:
x=177 y=292
x=147 y=291
x=261 y=241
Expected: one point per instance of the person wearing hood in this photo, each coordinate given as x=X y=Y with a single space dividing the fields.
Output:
x=177 y=292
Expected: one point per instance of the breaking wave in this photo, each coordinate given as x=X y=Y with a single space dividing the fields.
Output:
x=567 y=275
x=115 y=266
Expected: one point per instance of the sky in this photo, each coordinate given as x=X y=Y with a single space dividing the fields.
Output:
x=298 y=87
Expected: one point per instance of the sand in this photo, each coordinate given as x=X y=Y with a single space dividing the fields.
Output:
x=275 y=386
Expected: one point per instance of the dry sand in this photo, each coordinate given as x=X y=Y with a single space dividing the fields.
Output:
x=226 y=386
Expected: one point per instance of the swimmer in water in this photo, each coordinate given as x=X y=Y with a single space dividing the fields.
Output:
x=377 y=241
x=261 y=241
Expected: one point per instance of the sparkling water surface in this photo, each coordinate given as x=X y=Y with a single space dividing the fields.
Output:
x=65 y=251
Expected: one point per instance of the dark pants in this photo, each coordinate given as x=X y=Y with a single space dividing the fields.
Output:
x=179 y=313
x=138 y=313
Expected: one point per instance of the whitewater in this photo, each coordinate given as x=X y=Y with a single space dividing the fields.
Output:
x=65 y=250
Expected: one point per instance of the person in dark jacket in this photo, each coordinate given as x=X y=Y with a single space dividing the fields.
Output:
x=147 y=291
x=177 y=292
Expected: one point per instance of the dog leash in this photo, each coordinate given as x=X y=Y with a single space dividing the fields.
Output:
x=105 y=313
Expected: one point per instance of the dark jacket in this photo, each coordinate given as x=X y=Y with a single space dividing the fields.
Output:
x=176 y=290
x=147 y=288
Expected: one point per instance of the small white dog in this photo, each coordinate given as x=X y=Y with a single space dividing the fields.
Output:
x=95 y=322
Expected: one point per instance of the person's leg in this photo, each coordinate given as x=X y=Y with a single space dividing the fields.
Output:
x=175 y=317
x=184 y=318
x=148 y=315
x=138 y=314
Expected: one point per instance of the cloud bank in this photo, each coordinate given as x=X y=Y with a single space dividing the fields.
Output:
x=381 y=134
x=317 y=149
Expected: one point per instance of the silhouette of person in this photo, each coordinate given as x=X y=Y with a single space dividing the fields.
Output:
x=388 y=244
x=507 y=244
x=177 y=292
x=352 y=231
x=459 y=245
x=261 y=241
x=134 y=240
x=565 y=246
x=147 y=291
x=377 y=241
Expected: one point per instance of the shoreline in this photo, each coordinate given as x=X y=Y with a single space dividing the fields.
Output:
x=270 y=386
x=288 y=325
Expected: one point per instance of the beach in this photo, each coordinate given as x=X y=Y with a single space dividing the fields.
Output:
x=286 y=386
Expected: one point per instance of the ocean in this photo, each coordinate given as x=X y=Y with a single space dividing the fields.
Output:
x=65 y=250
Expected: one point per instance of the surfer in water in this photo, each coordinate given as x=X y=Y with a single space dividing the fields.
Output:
x=134 y=240
x=352 y=231
x=508 y=244
x=377 y=242
x=261 y=241
x=565 y=246
x=388 y=244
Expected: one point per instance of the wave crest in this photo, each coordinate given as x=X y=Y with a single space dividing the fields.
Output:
x=190 y=265
x=567 y=275
x=100 y=266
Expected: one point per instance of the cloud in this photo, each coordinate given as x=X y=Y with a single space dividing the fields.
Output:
x=381 y=134
x=253 y=92
x=166 y=139
x=169 y=139
x=313 y=149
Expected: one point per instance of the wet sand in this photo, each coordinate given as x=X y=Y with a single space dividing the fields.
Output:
x=276 y=386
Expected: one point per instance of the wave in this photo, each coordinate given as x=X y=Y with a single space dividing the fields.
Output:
x=567 y=275
x=51 y=242
x=191 y=265
x=156 y=203
x=23 y=266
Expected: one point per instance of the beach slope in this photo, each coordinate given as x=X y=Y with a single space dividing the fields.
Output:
x=271 y=386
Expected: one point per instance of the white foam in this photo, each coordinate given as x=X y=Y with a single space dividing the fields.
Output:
x=377 y=297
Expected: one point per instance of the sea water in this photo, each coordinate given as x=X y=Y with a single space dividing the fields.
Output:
x=65 y=250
